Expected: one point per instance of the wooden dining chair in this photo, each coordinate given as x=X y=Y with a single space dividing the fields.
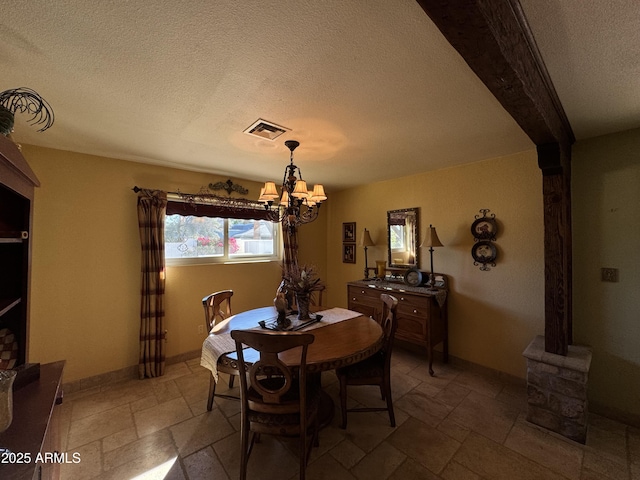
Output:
x=375 y=370
x=276 y=399
x=316 y=297
x=217 y=307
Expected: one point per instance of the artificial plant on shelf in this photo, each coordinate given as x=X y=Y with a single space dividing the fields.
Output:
x=302 y=282
x=24 y=100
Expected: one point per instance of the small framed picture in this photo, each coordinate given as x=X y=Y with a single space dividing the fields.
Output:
x=348 y=253
x=349 y=232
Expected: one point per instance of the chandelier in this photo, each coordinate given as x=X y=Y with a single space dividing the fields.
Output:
x=297 y=204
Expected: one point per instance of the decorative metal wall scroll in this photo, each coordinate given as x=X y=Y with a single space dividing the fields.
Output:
x=484 y=230
x=229 y=187
x=206 y=197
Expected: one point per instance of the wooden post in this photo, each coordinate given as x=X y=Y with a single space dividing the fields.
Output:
x=554 y=162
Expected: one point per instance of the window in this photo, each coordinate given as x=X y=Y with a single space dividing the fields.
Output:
x=211 y=234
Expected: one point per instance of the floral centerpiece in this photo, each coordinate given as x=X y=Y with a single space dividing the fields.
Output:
x=302 y=282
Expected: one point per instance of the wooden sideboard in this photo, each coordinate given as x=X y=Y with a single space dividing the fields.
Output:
x=33 y=438
x=422 y=313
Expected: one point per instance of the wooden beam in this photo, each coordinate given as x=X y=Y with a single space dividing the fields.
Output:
x=494 y=38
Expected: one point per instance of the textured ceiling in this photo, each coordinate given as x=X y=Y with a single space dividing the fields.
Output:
x=370 y=89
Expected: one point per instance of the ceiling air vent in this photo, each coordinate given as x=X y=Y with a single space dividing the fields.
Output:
x=263 y=129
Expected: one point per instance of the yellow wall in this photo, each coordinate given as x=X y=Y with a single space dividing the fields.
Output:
x=493 y=315
x=85 y=298
x=606 y=232
x=86 y=259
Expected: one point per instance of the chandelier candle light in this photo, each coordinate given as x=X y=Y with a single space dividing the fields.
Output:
x=297 y=204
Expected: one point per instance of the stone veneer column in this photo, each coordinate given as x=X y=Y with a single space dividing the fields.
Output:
x=557 y=389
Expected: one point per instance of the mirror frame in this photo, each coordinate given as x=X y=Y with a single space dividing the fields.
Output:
x=416 y=236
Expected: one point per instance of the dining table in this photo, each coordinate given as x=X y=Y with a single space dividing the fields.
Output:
x=341 y=337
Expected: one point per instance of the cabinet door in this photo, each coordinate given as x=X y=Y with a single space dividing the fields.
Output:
x=413 y=318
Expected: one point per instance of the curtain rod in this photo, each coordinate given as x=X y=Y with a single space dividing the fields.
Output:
x=137 y=189
x=208 y=198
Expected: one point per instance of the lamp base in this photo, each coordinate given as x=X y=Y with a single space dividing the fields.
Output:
x=366 y=265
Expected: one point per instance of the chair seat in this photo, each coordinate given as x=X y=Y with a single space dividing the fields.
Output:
x=367 y=368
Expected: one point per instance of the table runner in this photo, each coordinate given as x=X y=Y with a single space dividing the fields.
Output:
x=215 y=346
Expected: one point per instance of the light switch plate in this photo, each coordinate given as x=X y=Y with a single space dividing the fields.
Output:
x=609 y=274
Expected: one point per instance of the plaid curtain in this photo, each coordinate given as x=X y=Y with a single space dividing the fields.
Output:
x=152 y=205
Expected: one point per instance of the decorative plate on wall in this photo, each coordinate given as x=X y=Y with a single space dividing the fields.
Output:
x=484 y=228
x=484 y=252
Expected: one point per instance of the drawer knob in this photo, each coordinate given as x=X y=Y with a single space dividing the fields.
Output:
x=362 y=292
x=402 y=298
x=353 y=299
x=415 y=311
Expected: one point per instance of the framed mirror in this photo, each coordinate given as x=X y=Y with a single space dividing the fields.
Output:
x=402 y=237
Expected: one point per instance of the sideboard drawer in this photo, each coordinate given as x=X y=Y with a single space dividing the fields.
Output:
x=364 y=294
x=407 y=301
x=415 y=310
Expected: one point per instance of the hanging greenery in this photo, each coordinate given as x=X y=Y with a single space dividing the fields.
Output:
x=24 y=100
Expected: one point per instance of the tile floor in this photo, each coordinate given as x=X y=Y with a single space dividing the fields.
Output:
x=458 y=425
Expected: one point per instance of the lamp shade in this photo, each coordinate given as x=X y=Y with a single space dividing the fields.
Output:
x=301 y=190
x=270 y=192
x=318 y=194
x=431 y=239
x=365 y=240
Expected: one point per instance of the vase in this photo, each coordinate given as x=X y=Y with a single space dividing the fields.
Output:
x=381 y=267
x=303 y=305
x=6 y=398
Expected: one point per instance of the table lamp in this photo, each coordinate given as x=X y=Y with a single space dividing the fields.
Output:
x=431 y=240
x=365 y=241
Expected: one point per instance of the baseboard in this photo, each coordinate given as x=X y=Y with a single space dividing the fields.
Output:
x=614 y=414
x=465 y=364
x=116 y=376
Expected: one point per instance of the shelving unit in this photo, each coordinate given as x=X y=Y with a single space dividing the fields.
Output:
x=37 y=389
x=17 y=183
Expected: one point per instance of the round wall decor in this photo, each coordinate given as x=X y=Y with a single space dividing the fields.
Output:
x=484 y=230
